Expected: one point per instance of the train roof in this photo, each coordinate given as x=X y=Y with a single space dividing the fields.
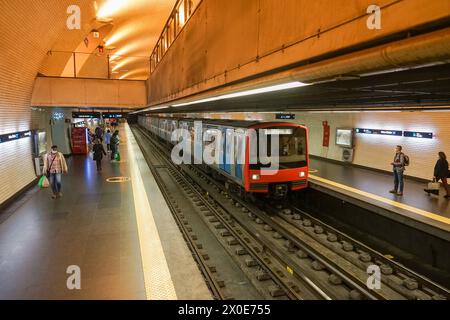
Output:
x=224 y=122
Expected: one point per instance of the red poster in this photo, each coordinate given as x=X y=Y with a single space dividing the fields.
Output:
x=326 y=134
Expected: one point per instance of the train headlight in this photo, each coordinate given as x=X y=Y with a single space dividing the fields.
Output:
x=255 y=176
x=301 y=174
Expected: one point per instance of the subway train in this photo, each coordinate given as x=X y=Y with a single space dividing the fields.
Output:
x=244 y=148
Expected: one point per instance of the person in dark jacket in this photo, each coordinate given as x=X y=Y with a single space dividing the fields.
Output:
x=114 y=144
x=398 y=167
x=441 y=172
x=98 y=151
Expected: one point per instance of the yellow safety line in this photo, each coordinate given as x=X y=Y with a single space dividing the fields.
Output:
x=157 y=278
x=424 y=213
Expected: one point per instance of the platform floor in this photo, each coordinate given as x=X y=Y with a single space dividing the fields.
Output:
x=376 y=185
x=102 y=227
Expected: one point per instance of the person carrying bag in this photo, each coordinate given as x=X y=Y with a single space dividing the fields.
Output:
x=54 y=166
x=441 y=173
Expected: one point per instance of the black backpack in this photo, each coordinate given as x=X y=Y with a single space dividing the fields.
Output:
x=406 y=160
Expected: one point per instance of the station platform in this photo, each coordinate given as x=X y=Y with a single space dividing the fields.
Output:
x=369 y=188
x=120 y=234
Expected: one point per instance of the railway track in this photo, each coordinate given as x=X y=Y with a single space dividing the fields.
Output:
x=303 y=257
x=402 y=279
x=263 y=271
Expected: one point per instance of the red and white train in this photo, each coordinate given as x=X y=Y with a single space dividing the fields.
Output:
x=245 y=177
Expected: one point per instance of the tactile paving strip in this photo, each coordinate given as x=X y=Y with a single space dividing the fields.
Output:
x=157 y=278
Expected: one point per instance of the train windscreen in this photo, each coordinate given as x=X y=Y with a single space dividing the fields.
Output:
x=292 y=150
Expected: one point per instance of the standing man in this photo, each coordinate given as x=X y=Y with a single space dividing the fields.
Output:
x=54 y=166
x=398 y=168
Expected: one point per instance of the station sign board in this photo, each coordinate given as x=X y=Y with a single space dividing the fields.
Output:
x=285 y=116
x=113 y=115
x=14 y=136
x=407 y=134
x=415 y=134
x=384 y=132
x=86 y=115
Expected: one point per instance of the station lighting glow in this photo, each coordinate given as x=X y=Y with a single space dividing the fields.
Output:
x=278 y=87
x=111 y=7
x=117 y=36
x=136 y=72
x=131 y=47
x=123 y=62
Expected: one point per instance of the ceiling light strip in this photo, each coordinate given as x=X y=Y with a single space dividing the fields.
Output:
x=278 y=87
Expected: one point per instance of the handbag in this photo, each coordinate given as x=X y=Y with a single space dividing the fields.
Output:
x=433 y=187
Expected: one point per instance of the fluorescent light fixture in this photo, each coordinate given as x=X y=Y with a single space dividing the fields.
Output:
x=153 y=108
x=158 y=108
x=278 y=87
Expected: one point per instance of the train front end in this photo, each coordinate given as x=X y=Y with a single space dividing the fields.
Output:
x=277 y=159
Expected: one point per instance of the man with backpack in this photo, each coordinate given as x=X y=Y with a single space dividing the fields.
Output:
x=400 y=161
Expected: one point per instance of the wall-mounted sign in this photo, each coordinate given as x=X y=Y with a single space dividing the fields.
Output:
x=344 y=137
x=14 y=136
x=113 y=115
x=415 y=134
x=380 y=132
x=86 y=115
x=285 y=116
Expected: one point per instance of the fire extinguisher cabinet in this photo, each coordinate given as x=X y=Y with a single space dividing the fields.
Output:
x=80 y=142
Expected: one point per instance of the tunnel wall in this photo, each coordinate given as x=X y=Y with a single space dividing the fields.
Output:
x=227 y=41
x=29 y=29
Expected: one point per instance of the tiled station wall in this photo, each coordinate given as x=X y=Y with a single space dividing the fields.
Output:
x=374 y=151
x=29 y=29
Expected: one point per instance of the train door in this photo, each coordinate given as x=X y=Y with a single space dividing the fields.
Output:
x=239 y=154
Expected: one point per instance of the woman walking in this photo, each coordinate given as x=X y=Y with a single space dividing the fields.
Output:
x=99 y=151
x=441 y=172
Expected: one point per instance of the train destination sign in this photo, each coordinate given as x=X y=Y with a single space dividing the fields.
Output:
x=384 y=132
